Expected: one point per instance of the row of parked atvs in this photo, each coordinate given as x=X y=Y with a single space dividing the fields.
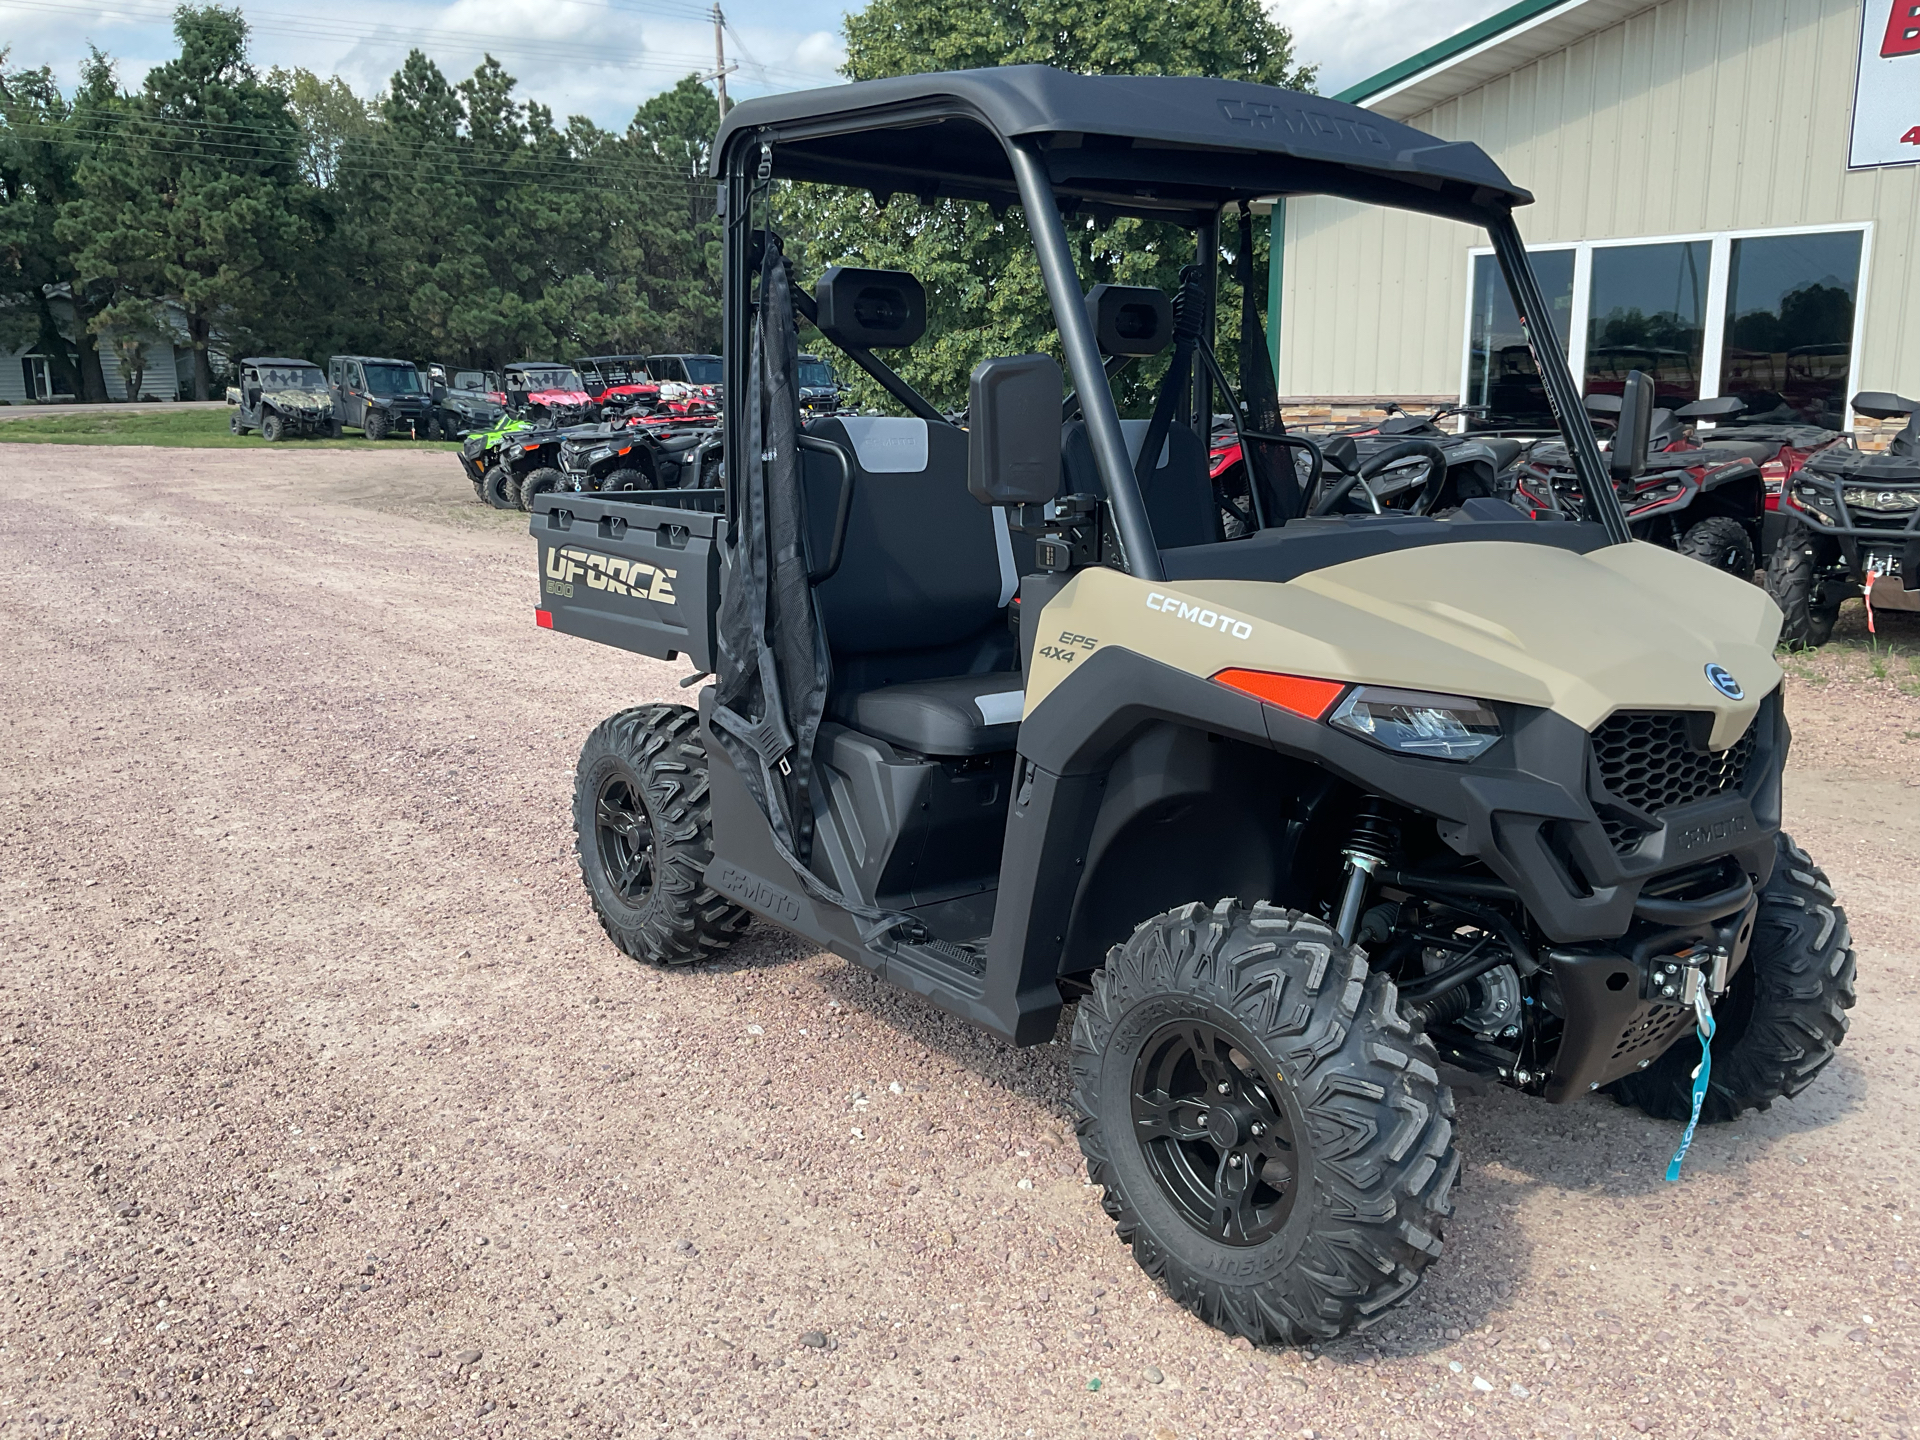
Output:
x=1827 y=520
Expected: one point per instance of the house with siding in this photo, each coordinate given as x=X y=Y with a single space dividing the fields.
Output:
x=1717 y=203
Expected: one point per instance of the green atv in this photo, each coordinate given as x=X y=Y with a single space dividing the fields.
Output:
x=1269 y=819
x=488 y=456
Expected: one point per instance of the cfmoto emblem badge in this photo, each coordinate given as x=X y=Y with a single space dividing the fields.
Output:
x=1723 y=681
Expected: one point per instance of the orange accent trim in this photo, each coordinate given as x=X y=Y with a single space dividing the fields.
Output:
x=1298 y=694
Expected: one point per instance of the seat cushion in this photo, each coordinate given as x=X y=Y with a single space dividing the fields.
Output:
x=961 y=715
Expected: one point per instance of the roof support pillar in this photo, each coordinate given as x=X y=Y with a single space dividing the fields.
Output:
x=1141 y=556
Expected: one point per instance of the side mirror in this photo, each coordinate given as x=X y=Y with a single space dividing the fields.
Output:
x=1013 y=430
x=1721 y=407
x=1628 y=457
x=1607 y=406
x=870 y=309
x=439 y=393
x=1883 y=405
x=1130 y=320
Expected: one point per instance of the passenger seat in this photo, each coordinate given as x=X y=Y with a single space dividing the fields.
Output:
x=915 y=614
x=1179 y=493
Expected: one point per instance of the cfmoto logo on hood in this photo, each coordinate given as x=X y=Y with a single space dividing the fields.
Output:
x=1722 y=680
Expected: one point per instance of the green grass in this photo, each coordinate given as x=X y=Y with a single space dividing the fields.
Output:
x=195 y=429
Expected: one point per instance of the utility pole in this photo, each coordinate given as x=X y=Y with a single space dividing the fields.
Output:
x=720 y=66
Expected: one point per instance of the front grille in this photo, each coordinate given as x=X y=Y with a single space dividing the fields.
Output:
x=1648 y=760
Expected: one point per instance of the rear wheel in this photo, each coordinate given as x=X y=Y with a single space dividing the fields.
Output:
x=540 y=482
x=233 y=424
x=644 y=831
x=1784 y=1013
x=1722 y=543
x=500 y=489
x=376 y=425
x=1272 y=1136
x=1799 y=585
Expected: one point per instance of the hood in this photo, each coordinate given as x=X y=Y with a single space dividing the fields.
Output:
x=1624 y=627
x=318 y=400
x=559 y=397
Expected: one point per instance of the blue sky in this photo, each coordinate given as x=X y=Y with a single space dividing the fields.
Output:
x=600 y=58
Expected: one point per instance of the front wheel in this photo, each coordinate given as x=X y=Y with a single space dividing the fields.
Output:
x=643 y=826
x=540 y=482
x=1271 y=1135
x=624 y=480
x=273 y=429
x=1722 y=543
x=376 y=425
x=500 y=489
x=1798 y=583
x=1784 y=1013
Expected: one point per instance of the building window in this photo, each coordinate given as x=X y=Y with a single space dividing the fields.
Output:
x=1501 y=374
x=1647 y=310
x=1789 y=326
x=1782 y=338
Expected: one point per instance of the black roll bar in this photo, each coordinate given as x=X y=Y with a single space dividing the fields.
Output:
x=1139 y=554
x=1562 y=394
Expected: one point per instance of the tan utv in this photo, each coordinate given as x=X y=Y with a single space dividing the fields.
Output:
x=1292 y=793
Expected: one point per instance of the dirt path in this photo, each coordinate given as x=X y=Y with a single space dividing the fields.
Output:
x=325 y=1109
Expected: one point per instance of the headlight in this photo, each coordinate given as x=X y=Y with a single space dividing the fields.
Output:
x=1441 y=727
x=1809 y=500
x=1885 y=501
x=594 y=457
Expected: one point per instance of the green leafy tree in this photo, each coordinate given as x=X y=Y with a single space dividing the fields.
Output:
x=45 y=138
x=199 y=203
x=983 y=284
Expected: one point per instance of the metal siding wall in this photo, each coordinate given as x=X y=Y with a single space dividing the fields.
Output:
x=1695 y=115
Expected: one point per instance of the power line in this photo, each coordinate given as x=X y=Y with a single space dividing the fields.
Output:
x=473 y=42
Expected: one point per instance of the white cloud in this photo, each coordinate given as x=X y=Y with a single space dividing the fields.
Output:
x=1352 y=39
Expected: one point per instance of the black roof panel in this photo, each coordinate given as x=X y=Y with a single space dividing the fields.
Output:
x=276 y=360
x=1137 y=143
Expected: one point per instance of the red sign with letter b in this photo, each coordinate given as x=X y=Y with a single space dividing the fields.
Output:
x=1903 y=29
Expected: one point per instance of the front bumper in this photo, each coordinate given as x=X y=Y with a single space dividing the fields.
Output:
x=1887 y=541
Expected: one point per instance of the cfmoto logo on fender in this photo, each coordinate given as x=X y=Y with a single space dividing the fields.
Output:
x=1205 y=618
x=1722 y=680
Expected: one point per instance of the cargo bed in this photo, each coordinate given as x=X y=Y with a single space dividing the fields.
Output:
x=638 y=569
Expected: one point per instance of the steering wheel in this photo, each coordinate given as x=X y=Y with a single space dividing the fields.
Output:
x=1435 y=457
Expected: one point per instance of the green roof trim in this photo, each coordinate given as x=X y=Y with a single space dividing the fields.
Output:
x=1453 y=45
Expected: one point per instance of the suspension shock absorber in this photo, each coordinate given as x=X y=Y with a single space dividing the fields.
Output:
x=1369 y=846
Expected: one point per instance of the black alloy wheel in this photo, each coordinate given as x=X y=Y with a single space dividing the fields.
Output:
x=624 y=837
x=643 y=828
x=1215 y=1139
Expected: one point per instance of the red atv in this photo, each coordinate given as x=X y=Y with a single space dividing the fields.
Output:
x=1706 y=501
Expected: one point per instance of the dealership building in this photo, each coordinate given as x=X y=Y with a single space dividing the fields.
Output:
x=1727 y=196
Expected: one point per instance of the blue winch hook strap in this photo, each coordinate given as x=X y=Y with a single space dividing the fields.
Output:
x=1702 y=1076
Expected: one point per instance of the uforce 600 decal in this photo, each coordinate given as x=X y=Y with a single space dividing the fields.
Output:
x=568 y=563
x=1200 y=615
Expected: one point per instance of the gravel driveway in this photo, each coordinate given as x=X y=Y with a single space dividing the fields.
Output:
x=325 y=1108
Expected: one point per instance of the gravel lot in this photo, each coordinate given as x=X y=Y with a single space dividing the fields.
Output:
x=328 y=1110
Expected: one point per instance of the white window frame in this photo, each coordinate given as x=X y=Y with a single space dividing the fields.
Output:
x=1719 y=267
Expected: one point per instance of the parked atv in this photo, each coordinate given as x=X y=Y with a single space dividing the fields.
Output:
x=618 y=382
x=1473 y=788
x=1706 y=502
x=1780 y=447
x=1854 y=529
x=645 y=454
x=462 y=401
x=378 y=397
x=280 y=397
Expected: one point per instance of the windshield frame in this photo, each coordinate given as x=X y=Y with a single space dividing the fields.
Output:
x=369 y=368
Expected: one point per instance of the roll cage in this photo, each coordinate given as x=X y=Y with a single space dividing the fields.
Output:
x=1171 y=148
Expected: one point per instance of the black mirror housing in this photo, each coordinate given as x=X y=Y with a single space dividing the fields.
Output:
x=1130 y=320
x=1883 y=405
x=1721 y=407
x=1604 y=405
x=870 y=309
x=1013 y=430
x=1628 y=457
